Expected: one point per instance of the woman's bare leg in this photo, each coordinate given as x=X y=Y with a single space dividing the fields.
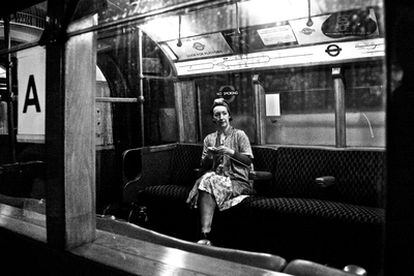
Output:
x=207 y=205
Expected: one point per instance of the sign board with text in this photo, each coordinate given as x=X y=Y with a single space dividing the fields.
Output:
x=31 y=79
x=201 y=46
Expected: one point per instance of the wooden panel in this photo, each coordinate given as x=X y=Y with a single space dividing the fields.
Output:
x=22 y=221
x=179 y=110
x=145 y=258
x=70 y=139
x=80 y=138
x=125 y=254
x=340 y=119
x=156 y=166
x=260 y=106
x=186 y=105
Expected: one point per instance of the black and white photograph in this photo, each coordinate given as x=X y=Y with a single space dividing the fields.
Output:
x=207 y=137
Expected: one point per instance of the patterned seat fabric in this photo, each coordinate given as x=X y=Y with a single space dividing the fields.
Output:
x=330 y=210
x=186 y=157
x=359 y=175
x=264 y=159
x=164 y=192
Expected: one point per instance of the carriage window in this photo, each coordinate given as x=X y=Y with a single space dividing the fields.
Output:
x=118 y=58
x=305 y=104
x=365 y=105
x=22 y=149
x=22 y=73
x=115 y=10
x=134 y=102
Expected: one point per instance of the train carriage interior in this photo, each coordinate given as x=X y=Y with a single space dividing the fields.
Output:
x=308 y=81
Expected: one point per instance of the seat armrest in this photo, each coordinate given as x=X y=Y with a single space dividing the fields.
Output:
x=132 y=188
x=356 y=270
x=325 y=181
x=260 y=175
x=131 y=164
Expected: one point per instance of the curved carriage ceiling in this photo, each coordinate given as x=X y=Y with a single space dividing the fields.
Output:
x=249 y=34
x=267 y=33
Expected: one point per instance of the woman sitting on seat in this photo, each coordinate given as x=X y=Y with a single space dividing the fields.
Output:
x=227 y=155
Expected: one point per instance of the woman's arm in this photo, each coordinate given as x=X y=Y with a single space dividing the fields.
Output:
x=243 y=158
x=237 y=156
x=206 y=157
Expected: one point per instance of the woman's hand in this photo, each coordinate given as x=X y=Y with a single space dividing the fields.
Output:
x=224 y=150
x=211 y=151
x=192 y=199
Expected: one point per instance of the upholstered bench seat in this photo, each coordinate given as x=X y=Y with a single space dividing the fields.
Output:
x=164 y=192
x=293 y=214
x=303 y=207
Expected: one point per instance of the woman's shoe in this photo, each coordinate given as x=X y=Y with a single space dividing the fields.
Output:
x=205 y=240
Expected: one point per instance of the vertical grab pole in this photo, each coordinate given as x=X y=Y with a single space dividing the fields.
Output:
x=340 y=117
x=141 y=98
x=259 y=106
x=10 y=96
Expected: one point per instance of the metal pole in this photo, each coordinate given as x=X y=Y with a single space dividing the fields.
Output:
x=340 y=119
x=259 y=106
x=10 y=96
x=141 y=98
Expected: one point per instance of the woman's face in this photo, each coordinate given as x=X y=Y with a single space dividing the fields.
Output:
x=221 y=117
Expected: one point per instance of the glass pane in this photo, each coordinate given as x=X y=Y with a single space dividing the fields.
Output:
x=114 y=10
x=22 y=151
x=26 y=25
x=365 y=105
x=118 y=115
x=306 y=103
x=160 y=117
x=263 y=25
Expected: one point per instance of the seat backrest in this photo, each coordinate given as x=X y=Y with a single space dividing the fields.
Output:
x=185 y=158
x=260 y=260
x=359 y=174
x=131 y=164
x=296 y=170
x=265 y=158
